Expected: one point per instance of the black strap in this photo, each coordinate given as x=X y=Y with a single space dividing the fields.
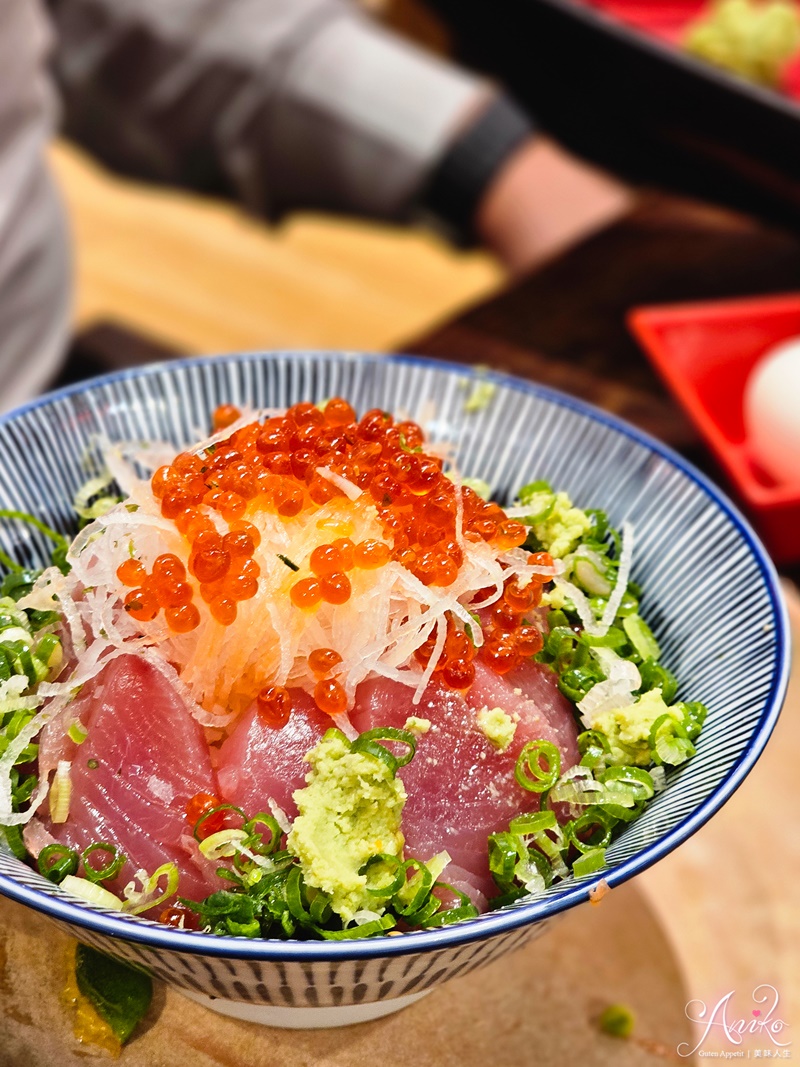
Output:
x=460 y=178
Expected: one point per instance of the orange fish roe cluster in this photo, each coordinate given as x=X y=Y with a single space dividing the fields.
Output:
x=164 y=587
x=455 y=666
x=298 y=462
x=508 y=639
x=198 y=806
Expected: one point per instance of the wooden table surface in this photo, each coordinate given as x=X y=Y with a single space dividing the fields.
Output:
x=719 y=915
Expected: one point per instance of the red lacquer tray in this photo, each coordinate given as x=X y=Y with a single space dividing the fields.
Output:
x=705 y=354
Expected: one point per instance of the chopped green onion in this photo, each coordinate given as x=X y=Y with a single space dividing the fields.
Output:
x=654 y=676
x=575 y=683
x=411 y=896
x=614 y=637
x=552 y=848
x=256 y=844
x=91 y=892
x=222 y=845
x=14 y=841
x=589 y=862
x=294 y=896
x=285 y=559
x=617 y=1020
x=50 y=652
x=641 y=637
x=60 y=792
x=694 y=715
x=506 y=851
x=593 y=821
x=633 y=778
x=669 y=741
x=320 y=908
x=397 y=874
x=529 y=772
x=77 y=732
x=372 y=748
x=112 y=867
x=214 y=811
x=137 y=902
x=594 y=748
x=56 y=862
x=368 y=741
x=351 y=933
x=533 y=822
x=465 y=909
x=589 y=577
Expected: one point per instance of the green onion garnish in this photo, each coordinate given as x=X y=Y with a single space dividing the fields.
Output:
x=56 y=861
x=533 y=822
x=530 y=773
x=589 y=862
x=669 y=741
x=641 y=637
x=255 y=841
x=617 y=1020
x=215 y=811
x=370 y=740
x=112 y=867
x=397 y=874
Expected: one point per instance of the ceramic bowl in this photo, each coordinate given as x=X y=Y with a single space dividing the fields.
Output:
x=711 y=595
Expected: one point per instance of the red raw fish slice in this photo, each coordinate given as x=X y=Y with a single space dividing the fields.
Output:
x=258 y=763
x=460 y=788
x=531 y=691
x=151 y=759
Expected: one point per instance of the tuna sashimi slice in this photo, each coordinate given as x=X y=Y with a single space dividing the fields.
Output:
x=258 y=764
x=460 y=788
x=143 y=760
x=531 y=691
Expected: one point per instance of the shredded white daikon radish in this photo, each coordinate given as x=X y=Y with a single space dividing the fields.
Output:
x=599 y=627
x=616 y=690
x=350 y=489
x=623 y=576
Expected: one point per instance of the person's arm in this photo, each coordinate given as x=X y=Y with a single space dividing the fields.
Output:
x=289 y=104
x=516 y=191
x=541 y=200
x=282 y=104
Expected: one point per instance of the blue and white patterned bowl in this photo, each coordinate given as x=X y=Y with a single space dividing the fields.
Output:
x=711 y=595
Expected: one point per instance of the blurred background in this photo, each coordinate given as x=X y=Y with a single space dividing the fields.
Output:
x=199 y=275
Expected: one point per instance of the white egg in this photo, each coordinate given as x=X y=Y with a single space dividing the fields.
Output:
x=772 y=412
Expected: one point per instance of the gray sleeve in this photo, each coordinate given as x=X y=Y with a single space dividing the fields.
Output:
x=282 y=104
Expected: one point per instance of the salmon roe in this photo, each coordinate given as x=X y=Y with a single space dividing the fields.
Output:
x=131 y=572
x=199 y=805
x=295 y=463
x=330 y=697
x=179 y=916
x=323 y=660
x=224 y=415
x=274 y=705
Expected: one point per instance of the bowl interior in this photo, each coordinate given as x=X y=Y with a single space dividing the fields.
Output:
x=710 y=593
